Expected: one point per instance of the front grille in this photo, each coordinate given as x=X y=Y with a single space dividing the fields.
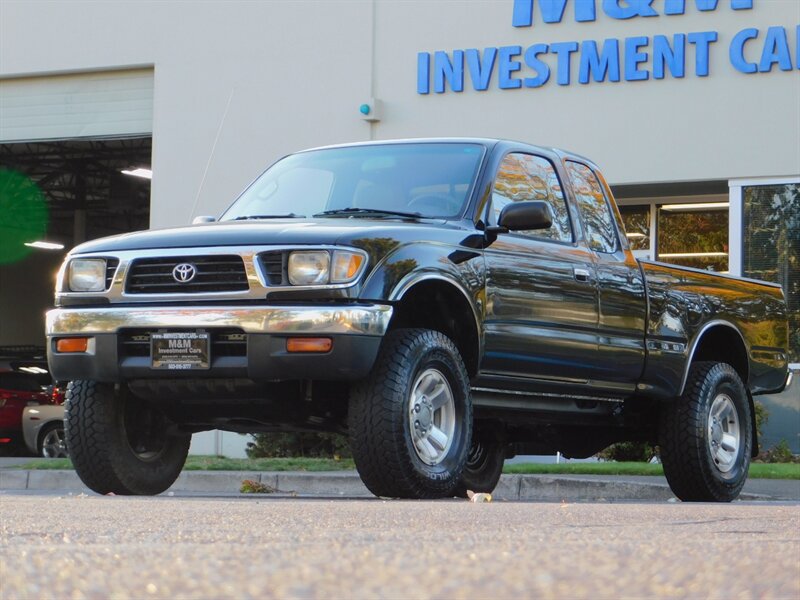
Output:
x=111 y=268
x=274 y=267
x=213 y=274
x=224 y=342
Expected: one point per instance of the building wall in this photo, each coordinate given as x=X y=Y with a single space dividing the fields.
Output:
x=686 y=129
x=238 y=84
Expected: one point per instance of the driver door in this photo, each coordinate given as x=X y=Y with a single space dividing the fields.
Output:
x=541 y=288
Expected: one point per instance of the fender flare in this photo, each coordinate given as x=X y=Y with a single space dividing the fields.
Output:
x=412 y=279
x=696 y=342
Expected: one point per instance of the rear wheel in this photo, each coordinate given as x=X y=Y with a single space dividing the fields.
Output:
x=52 y=443
x=411 y=420
x=119 y=443
x=706 y=435
x=483 y=468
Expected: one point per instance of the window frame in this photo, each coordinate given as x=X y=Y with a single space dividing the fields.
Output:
x=736 y=222
x=618 y=246
x=490 y=213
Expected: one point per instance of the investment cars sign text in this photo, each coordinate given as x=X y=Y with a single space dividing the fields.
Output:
x=636 y=58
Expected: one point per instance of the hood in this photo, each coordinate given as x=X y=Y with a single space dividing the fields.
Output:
x=337 y=231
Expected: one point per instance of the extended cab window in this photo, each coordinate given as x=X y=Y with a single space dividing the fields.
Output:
x=523 y=177
x=595 y=212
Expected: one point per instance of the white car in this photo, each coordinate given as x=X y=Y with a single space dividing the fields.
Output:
x=43 y=430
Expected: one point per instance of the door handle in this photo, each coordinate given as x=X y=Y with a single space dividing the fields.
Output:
x=582 y=275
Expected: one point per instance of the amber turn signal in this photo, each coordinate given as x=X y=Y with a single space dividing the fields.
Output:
x=309 y=344
x=72 y=344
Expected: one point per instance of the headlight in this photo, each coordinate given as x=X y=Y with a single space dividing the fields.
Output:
x=309 y=268
x=318 y=268
x=87 y=275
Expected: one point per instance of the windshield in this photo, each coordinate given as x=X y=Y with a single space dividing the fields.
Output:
x=392 y=180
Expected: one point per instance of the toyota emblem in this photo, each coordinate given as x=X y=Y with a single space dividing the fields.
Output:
x=184 y=272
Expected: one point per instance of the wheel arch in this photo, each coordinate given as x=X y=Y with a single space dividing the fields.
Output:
x=435 y=301
x=719 y=341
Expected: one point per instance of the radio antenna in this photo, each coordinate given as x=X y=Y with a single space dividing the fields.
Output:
x=211 y=155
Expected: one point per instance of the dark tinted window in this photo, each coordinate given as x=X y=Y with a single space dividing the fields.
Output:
x=524 y=177
x=637 y=226
x=772 y=246
x=20 y=382
x=694 y=236
x=595 y=212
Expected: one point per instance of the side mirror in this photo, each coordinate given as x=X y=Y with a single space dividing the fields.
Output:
x=525 y=216
x=203 y=219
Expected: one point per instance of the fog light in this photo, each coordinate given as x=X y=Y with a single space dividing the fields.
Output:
x=72 y=345
x=309 y=344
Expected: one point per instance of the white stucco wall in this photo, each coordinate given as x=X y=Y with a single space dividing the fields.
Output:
x=291 y=74
x=687 y=129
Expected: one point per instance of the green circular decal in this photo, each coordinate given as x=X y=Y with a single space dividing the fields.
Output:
x=23 y=215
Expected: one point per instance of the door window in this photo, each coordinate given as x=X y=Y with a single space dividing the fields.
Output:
x=525 y=177
x=595 y=212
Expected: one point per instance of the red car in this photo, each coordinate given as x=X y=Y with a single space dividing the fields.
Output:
x=21 y=385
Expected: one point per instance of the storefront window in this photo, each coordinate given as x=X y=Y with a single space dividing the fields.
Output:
x=694 y=235
x=637 y=226
x=771 y=246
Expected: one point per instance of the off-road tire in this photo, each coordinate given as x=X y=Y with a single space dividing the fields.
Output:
x=689 y=464
x=380 y=432
x=98 y=443
x=483 y=468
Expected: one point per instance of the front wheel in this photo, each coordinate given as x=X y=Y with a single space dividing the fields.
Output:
x=119 y=443
x=706 y=435
x=411 y=420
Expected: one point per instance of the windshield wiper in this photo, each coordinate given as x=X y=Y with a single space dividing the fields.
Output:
x=286 y=216
x=368 y=211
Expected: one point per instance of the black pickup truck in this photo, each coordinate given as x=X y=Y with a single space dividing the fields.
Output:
x=446 y=303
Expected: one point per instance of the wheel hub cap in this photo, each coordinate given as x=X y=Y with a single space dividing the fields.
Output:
x=432 y=416
x=54 y=445
x=724 y=433
x=424 y=412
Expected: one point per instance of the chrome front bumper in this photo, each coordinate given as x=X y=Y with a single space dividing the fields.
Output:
x=370 y=320
x=356 y=332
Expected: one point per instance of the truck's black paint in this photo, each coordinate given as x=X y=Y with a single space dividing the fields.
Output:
x=536 y=336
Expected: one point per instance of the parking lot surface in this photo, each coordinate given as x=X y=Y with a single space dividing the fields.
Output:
x=78 y=546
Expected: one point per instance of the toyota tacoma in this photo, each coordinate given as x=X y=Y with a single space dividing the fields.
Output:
x=446 y=303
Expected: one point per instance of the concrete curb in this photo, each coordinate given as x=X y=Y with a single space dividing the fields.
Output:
x=545 y=488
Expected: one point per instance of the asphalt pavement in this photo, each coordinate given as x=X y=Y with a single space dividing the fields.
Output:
x=81 y=546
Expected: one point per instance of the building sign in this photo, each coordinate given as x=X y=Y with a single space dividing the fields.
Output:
x=637 y=58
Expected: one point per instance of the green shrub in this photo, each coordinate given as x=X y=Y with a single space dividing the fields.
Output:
x=299 y=445
x=629 y=452
x=779 y=453
x=762 y=416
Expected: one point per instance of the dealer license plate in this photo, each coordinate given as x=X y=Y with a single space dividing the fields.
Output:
x=180 y=351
